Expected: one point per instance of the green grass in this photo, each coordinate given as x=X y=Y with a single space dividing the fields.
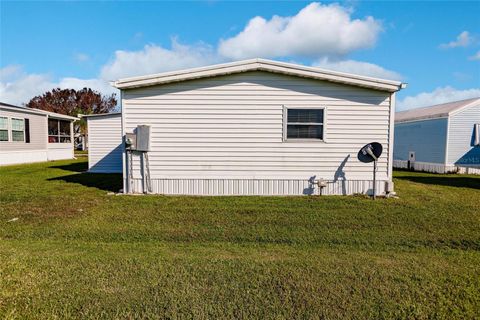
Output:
x=81 y=153
x=77 y=252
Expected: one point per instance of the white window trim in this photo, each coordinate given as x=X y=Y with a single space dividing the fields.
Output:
x=8 y=128
x=285 y=123
x=11 y=129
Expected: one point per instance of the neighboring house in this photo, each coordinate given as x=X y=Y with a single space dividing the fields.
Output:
x=105 y=142
x=441 y=138
x=33 y=135
x=256 y=127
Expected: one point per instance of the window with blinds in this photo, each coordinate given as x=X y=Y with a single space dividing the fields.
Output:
x=18 y=129
x=305 y=124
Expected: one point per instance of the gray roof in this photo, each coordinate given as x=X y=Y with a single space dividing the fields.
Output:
x=434 y=112
x=259 y=65
x=37 y=111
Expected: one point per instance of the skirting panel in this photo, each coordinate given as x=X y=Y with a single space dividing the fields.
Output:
x=220 y=187
x=60 y=153
x=435 y=167
x=23 y=156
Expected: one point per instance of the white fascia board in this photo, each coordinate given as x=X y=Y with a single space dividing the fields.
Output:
x=99 y=115
x=259 y=65
x=441 y=116
x=54 y=115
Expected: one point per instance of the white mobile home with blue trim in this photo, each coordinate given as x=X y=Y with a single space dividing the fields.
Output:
x=441 y=138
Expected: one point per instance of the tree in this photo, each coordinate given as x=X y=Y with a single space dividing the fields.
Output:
x=73 y=103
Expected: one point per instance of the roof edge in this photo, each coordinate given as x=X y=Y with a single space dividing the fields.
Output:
x=98 y=115
x=38 y=112
x=445 y=114
x=459 y=109
x=261 y=65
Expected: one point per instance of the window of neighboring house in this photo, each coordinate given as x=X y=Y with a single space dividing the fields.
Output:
x=59 y=131
x=305 y=123
x=3 y=129
x=18 y=130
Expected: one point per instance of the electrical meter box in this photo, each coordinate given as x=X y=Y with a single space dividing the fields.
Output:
x=131 y=141
x=143 y=138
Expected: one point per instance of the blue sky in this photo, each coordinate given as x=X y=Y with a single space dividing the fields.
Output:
x=433 y=46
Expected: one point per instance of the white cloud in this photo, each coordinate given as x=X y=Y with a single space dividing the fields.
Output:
x=464 y=39
x=476 y=56
x=81 y=57
x=18 y=87
x=358 y=67
x=323 y=32
x=317 y=30
x=153 y=59
x=437 y=96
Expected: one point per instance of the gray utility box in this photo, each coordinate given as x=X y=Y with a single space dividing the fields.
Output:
x=143 y=138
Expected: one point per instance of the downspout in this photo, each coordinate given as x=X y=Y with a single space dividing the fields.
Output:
x=389 y=188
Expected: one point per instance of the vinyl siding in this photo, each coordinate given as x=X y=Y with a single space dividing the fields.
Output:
x=38 y=132
x=461 y=150
x=231 y=127
x=105 y=143
x=427 y=138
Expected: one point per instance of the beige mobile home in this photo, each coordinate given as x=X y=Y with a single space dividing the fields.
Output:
x=256 y=127
x=32 y=135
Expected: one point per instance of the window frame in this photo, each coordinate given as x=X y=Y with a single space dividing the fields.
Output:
x=11 y=129
x=309 y=140
x=8 y=128
x=58 y=135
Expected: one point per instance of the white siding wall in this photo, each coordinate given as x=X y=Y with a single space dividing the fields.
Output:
x=105 y=143
x=211 y=135
x=461 y=150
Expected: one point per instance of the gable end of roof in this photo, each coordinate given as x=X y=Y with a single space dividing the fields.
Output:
x=259 y=65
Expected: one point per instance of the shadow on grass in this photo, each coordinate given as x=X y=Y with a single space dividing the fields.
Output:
x=74 y=167
x=103 y=181
x=451 y=181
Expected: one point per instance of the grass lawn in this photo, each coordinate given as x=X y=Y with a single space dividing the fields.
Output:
x=81 y=153
x=77 y=252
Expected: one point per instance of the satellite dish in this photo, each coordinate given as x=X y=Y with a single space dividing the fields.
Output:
x=370 y=152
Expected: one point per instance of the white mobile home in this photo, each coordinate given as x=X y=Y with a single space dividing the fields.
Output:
x=441 y=138
x=105 y=142
x=33 y=135
x=257 y=127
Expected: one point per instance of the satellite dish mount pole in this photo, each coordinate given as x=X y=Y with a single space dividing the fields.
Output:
x=374 y=179
x=370 y=153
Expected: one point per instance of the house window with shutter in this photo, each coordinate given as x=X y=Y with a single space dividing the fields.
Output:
x=3 y=129
x=18 y=130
